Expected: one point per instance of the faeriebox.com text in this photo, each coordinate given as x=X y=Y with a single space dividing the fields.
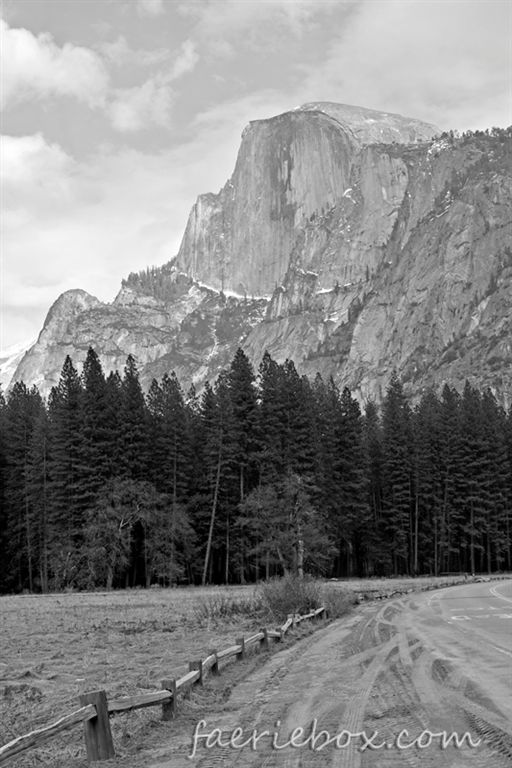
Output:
x=316 y=739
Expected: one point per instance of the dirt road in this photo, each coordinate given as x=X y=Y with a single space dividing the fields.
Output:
x=432 y=663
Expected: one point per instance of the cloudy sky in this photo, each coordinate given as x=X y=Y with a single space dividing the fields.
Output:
x=116 y=114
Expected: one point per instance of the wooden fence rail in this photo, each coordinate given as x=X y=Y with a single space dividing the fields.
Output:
x=96 y=708
x=35 y=738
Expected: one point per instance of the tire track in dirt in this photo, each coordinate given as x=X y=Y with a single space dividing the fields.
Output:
x=325 y=698
x=450 y=705
x=277 y=692
x=385 y=669
x=258 y=701
x=406 y=695
x=396 y=705
x=351 y=758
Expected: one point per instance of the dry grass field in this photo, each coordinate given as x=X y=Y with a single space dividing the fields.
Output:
x=54 y=647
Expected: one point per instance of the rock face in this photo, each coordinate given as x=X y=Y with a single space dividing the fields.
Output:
x=290 y=170
x=349 y=240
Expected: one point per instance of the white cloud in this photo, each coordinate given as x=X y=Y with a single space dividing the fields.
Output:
x=446 y=62
x=232 y=16
x=118 y=53
x=185 y=61
x=150 y=7
x=28 y=161
x=136 y=108
x=133 y=109
x=37 y=67
x=224 y=25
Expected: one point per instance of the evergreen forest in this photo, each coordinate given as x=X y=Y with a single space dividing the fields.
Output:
x=263 y=473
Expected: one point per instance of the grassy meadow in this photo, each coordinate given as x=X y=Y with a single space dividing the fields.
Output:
x=54 y=647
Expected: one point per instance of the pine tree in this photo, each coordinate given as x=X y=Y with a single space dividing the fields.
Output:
x=397 y=496
x=325 y=449
x=133 y=425
x=272 y=416
x=379 y=558
x=66 y=474
x=297 y=408
x=475 y=492
x=495 y=478
x=112 y=424
x=169 y=465
x=21 y=412
x=95 y=438
x=4 y=534
x=217 y=421
x=243 y=397
x=508 y=520
x=354 y=515
x=428 y=533
x=451 y=464
x=243 y=437
x=38 y=483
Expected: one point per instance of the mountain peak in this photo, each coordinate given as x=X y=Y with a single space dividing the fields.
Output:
x=70 y=303
x=373 y=127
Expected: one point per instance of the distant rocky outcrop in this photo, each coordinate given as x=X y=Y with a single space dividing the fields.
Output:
x=349 y=240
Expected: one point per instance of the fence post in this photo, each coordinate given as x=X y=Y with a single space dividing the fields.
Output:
x=265 y=641
x=169 y=707
x=98 y=736
x=192 y=665
x=215 y=665
x=241 y=642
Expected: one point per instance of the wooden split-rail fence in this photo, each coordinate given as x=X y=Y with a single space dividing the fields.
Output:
x=96 y=708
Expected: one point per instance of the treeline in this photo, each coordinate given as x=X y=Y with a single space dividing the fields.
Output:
x=494 y=133
x=161 y=282
x=105 y=486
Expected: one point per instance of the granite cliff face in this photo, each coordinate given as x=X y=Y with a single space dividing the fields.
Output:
x=349 y=240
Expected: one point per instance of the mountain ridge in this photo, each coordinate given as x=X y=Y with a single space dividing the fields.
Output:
x=350 y=257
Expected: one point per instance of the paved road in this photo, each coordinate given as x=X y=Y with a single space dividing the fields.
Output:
x=484 y=609
x=477 y=635
x=427 y=663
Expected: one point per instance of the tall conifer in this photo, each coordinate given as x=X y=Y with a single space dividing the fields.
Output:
x=133 y=427
x=397 y=474
x=66 y=474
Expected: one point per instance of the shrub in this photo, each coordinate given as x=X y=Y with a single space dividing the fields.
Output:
x=218 y=606
x=338 y=600
x=289 y=594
